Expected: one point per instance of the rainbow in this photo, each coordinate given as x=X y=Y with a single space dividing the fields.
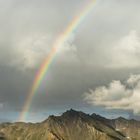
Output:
x=58 y=44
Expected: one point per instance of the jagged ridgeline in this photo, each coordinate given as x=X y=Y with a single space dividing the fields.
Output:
x=73 y=125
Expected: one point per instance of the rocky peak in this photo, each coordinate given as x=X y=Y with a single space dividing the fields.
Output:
x=73 y=113
x=121 y=119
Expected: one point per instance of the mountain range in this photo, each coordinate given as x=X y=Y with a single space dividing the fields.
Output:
x=73 y=125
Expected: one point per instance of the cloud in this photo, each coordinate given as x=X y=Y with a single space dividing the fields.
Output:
x=26 y=52
x=125 y=53
x=30 y=50
x=117 y=95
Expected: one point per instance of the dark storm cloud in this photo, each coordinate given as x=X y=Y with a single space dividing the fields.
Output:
x=96 y=55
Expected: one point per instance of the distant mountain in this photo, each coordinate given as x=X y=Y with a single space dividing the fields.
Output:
x=73 y=125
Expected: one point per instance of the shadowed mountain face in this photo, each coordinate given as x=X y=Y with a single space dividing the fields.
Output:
x=73 y=125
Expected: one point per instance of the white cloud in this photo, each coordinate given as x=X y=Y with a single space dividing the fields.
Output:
x=133 y=80
x=29 y=51
x=117 y=95
x=32 y=49
x=26 y=51
x=125 y=53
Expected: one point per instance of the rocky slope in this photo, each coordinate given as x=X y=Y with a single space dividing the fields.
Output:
x=72 y=125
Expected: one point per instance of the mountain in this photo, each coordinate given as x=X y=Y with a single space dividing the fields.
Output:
x=73 y=125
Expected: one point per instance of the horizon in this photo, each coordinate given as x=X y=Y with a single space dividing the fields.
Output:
x=77 y=111
x=60 y=113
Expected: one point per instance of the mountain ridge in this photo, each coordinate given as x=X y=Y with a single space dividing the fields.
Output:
x=73 y=125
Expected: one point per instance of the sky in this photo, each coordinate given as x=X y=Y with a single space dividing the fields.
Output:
x=98 y=71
